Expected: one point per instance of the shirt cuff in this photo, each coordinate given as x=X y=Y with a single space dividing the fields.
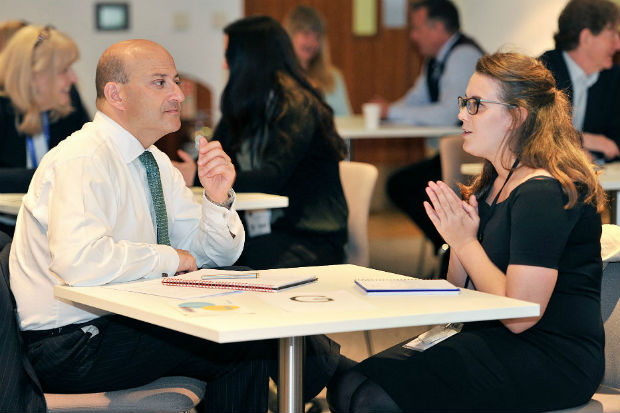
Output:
x=168 y=260
x=220 y=217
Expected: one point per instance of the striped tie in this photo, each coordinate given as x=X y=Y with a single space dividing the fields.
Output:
x=157 y=196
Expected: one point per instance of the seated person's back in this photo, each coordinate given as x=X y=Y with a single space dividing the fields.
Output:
x=283 y=141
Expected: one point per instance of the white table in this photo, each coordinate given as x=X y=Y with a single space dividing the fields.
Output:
x=270 y=321
x=250 y=200
x=353 y=127
x=10 y=203
x=609 y=179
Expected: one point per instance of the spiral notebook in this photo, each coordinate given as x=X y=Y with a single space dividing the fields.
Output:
x=406 y=286
x=267 y=282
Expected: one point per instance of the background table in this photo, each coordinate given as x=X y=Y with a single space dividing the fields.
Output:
x=610 y=181
x=270 y=321
x=353 y=127
x=10 y=203
x=250 y=200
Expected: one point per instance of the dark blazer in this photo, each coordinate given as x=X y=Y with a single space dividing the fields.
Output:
x=14 y=177
x=20 y=388
x=603 y=105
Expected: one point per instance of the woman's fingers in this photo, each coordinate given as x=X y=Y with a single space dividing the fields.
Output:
x=446 y=202
x=469 y=210
x=432 y=215
x=432 y=195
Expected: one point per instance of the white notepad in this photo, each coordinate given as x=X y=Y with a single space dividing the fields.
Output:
x=406 y=286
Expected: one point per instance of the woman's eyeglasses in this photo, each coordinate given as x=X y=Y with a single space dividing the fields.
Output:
x=473 y=104
x=44 y=34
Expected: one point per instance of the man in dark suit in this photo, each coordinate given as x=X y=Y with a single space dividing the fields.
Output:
x=582 y=64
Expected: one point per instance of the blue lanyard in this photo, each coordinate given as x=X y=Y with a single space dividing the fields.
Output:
x=46 y=132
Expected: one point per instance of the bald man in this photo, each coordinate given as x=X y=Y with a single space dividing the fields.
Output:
x=97 y=212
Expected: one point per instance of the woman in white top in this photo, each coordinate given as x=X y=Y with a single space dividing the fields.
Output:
x=307 y=31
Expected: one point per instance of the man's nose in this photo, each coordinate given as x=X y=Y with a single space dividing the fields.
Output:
x=178 y=94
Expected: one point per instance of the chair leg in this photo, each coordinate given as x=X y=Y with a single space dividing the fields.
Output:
x=421 y=257
x=443 y=257
x=368 y=343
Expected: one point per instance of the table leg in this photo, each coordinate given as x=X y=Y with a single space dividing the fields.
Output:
x=290 y=394
x=616 y=219
x=349 y=149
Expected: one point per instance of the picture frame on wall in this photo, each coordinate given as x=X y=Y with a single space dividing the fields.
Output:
x=112 y=16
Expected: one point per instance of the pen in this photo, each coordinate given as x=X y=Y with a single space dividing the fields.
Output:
x=205 y=132
x=230 y=276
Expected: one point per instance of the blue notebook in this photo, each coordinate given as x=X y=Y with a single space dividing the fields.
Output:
x=406 y=286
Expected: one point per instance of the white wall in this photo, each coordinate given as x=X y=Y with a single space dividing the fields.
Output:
x=521 y=25
x=525 y=26
x=198 y=50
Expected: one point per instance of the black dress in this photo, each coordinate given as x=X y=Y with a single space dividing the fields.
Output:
x=557 y=363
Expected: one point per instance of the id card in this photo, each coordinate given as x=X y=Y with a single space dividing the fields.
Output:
x=258 y=222
x=433 y=336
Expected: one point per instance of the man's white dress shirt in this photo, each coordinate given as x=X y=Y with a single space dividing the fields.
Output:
x=87 y=220
x=416 y=108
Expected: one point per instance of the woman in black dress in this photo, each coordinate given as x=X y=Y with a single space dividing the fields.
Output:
x=281 y=137
x=527 y=228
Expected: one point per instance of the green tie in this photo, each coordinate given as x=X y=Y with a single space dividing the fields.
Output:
x=157 y=196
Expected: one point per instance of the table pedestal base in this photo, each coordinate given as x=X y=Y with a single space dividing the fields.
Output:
x=290 y=383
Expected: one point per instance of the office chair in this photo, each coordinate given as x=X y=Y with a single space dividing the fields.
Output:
x=358 y=182
x=22 y=391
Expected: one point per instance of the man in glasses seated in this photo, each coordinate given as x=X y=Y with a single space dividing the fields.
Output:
x=582 y=65
x=450 y=60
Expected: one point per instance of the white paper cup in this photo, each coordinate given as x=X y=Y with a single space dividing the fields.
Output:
x=372 y=115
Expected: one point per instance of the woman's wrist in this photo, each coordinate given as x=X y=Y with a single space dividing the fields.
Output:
x=462 y=246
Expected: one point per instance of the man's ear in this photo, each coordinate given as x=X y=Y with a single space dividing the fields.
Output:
x=584 y=36
x=114 y=95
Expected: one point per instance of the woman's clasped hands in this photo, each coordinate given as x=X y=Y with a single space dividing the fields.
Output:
x=455 y=219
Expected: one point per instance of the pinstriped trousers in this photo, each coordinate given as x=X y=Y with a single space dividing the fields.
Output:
x=127 y=353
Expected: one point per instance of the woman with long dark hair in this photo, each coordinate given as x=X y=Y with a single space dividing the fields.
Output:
x=281 y=136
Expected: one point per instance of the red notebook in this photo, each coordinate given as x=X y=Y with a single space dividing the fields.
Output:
x=264 y=282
